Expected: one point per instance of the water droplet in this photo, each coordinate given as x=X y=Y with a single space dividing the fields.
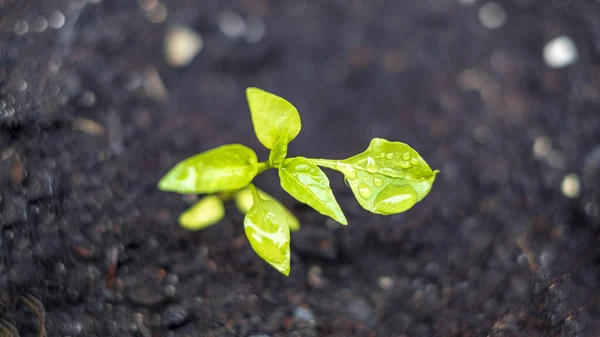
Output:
x=364 y=191
x=350 y=173
x=371 y=165
x=414 y=161
x=406 y=156
x=377 y=182
x=405 y=164
x=382 y=155
x=389 y=155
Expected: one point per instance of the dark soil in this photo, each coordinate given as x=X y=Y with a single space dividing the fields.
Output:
x=90 y=247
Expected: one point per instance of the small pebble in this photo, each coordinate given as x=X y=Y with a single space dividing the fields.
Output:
x=560 y=52
x=315 y=277
x=570 y=186
x=182 y=44
x=541 y=147
x=140 y=294
x=303 y=314
x=39 y=25
x=232 y=24
x=360 y=310
x=492 y=15
x=174 y=316
x=170 y=290
x=385 y=282
x=56 y=20
x=546 y=258
x=21 y=27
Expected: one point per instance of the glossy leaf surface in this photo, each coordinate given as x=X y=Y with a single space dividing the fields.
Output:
x=243 y=201
x=387 y=178
x=268 y=232
x=273 y=117
x=206 y=212
x=307 y=183
x=225 y=168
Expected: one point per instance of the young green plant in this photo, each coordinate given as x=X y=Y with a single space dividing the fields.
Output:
x=387 y=178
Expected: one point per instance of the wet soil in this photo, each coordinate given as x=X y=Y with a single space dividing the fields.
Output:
x=91 y=116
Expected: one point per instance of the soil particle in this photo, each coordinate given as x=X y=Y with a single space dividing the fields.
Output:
x=174 y=316
x=360 y=310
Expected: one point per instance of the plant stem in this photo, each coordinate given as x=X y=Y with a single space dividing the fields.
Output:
x=263 y=166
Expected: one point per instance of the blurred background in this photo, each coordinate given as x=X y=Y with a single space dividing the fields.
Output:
x=99 y=98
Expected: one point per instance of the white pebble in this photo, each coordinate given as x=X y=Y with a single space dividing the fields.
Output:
x=21 y=27
x=492 y=15
x=570 y=186
x=40 y=24
x=56 y=20
x=232 y=24
x=560 y=52
x=541 y=147
x=385 y=282
x=182 y=44
x=256 y=30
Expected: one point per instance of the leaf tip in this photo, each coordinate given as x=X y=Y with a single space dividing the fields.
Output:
x=251 y=91
x=285 y=271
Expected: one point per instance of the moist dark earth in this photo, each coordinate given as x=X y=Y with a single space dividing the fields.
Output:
x=92 y=116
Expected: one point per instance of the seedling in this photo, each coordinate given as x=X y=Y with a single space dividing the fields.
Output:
x=387 y=178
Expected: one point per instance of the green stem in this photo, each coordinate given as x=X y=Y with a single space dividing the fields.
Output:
x=336 y=165
x=263 y=166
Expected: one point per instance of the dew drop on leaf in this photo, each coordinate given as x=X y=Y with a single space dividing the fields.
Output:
x=406 y=156
x=389 y=155
x=350 y=173
x=405 y=164
x=377 y=182
x=371 y=165
x=414 y=161
x=364 y=191
x=382 y=155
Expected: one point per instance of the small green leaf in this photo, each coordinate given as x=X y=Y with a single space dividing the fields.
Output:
x=206 y=212
x=225 y=168
x=268 y=232
x=278 y=152
x=307 y=183
x=244 y=200
x=387 y=178
x=273 y=117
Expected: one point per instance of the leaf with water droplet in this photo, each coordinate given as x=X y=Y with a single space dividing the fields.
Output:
x=224 y=168
x=402 y=177
x=244 y=200
x=306 y=182
x=267 y=230
x=206 y=212
x=273 y=117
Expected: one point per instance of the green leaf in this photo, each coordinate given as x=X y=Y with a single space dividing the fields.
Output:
x=206 y=212
x=244 y=200
x=268 y=232
x=278 y=152
x=387 y=178
x=307 y=183
x=225 y=168
x=273 y=117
